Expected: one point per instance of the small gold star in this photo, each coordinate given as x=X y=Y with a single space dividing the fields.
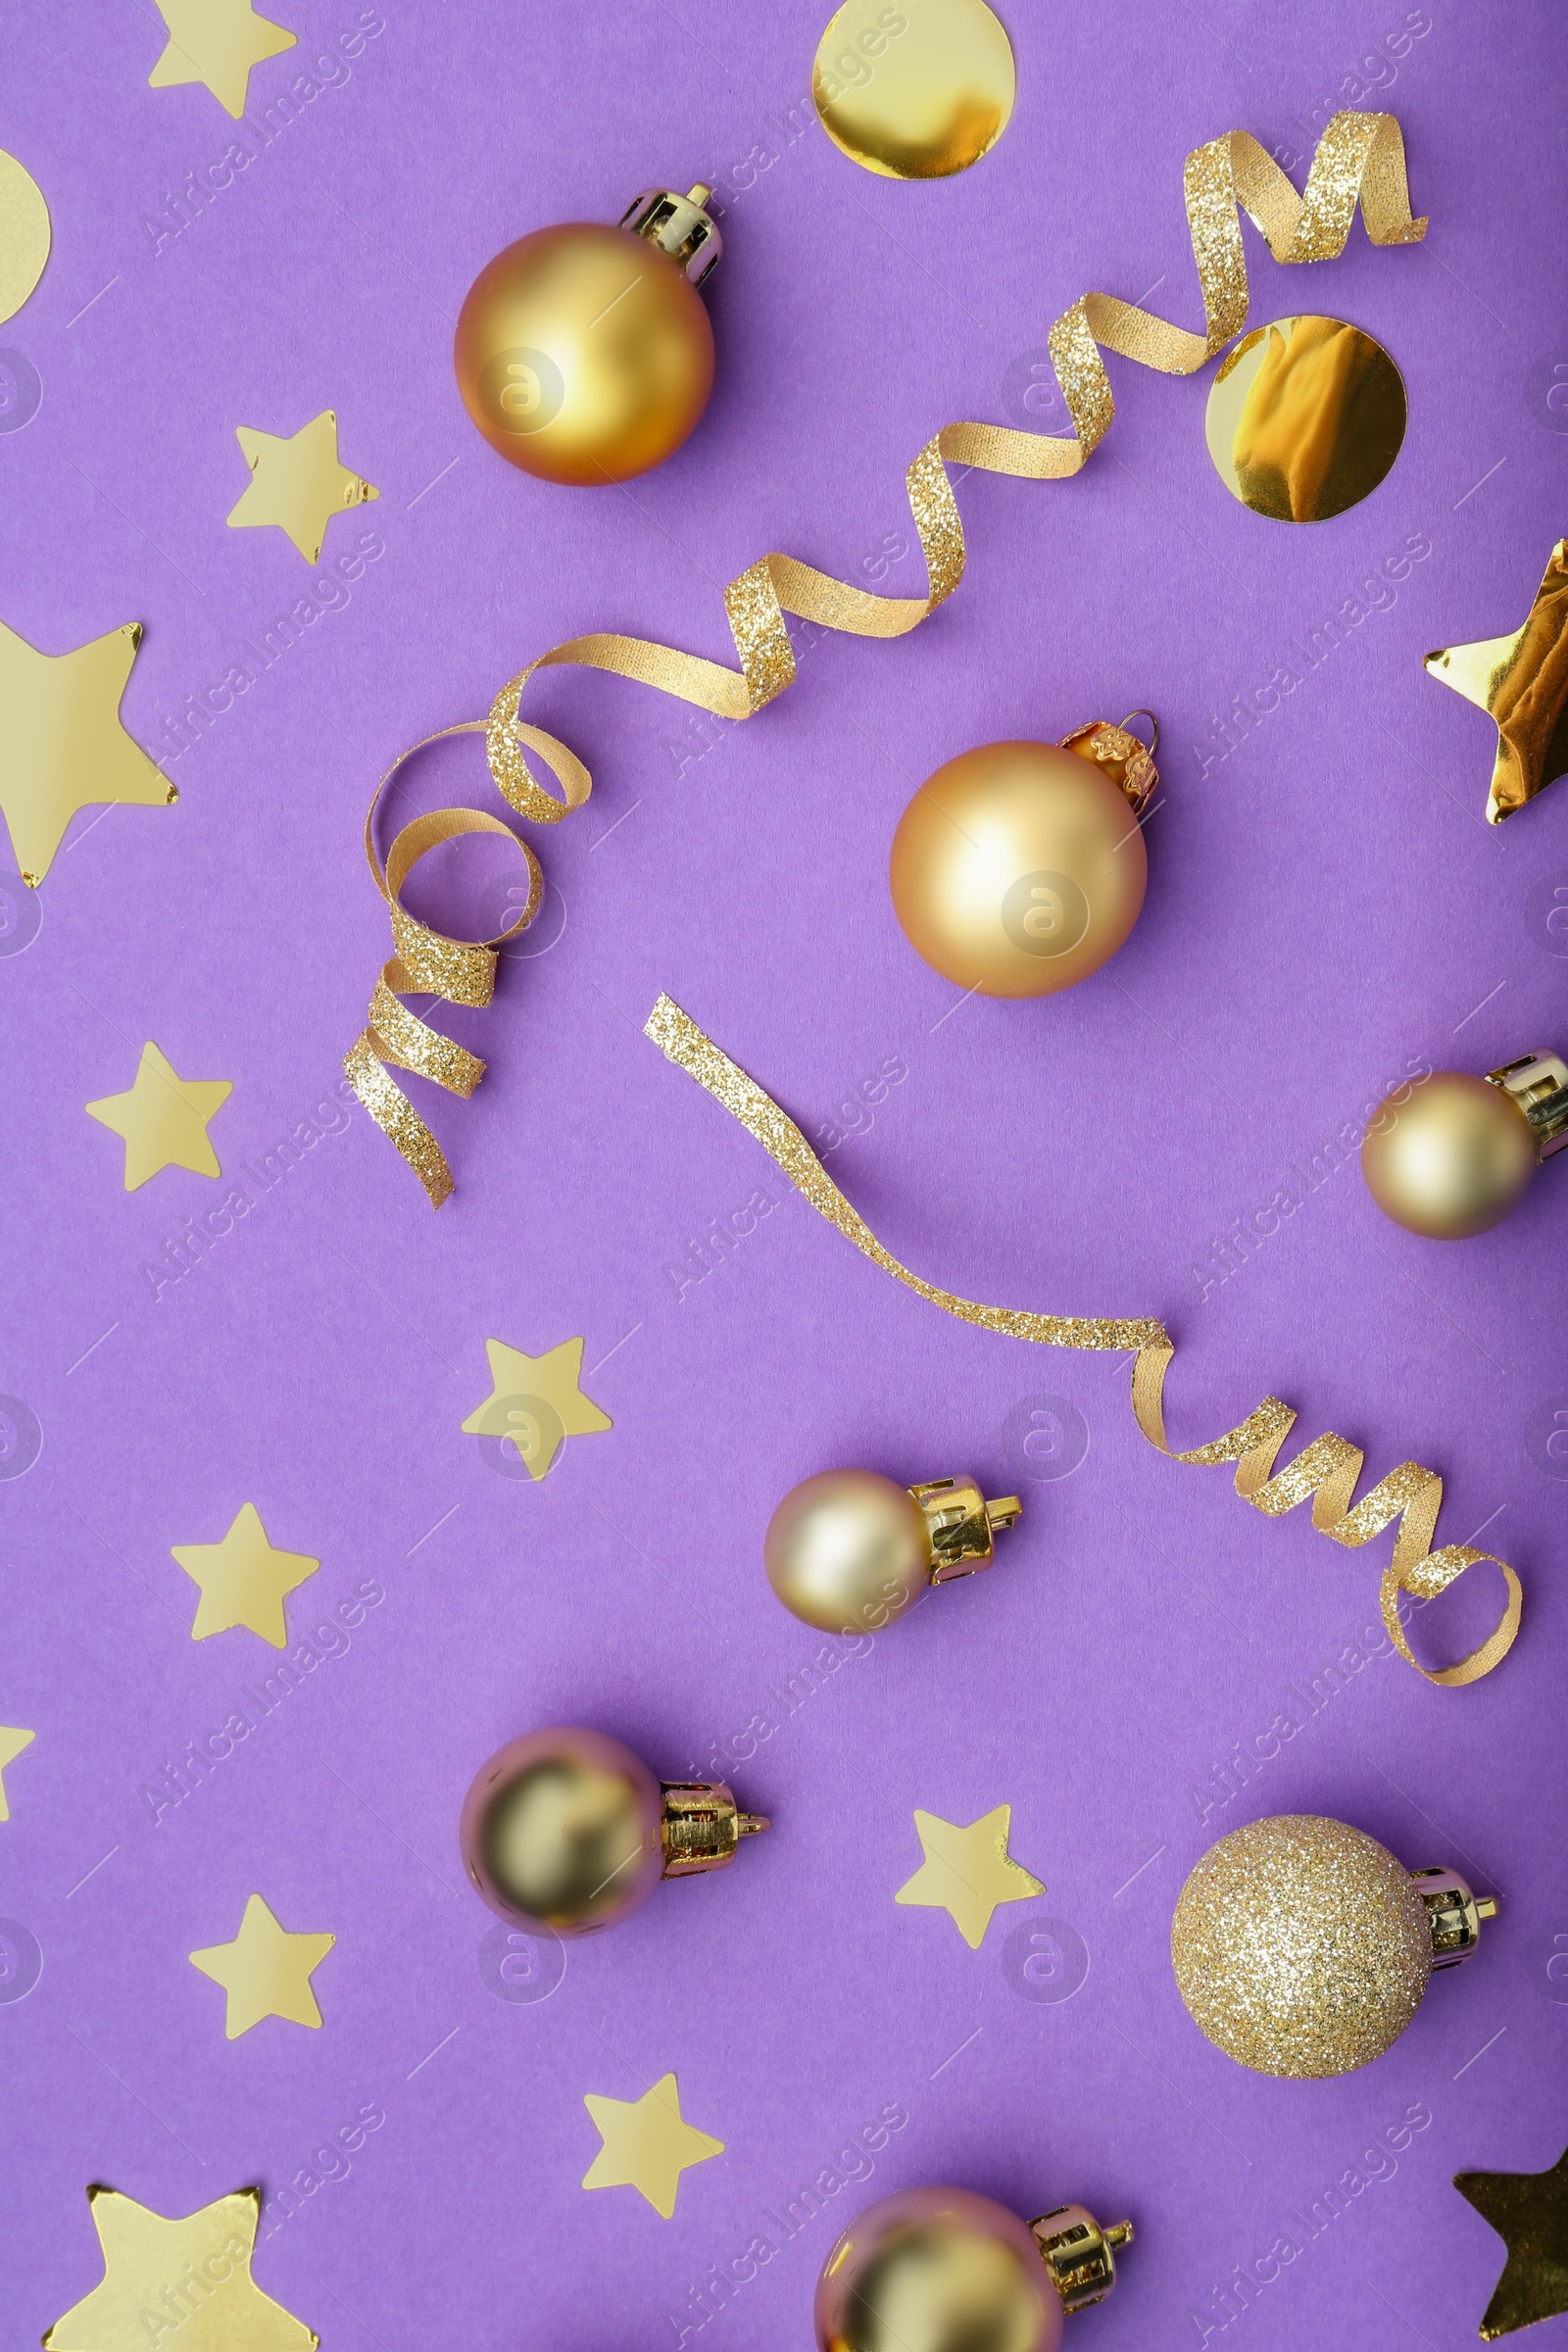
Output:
x=298 y=483
x=1529 y=2211
x=188 y=2281
x=266 y=1971
x=534 y=1401
x=1522 y=682
x=12 y=1743
x=243 y=1579
x=647 y=2144
x=967 y=1872
x=163 y=1119
x=216 y=42
x=63 y=747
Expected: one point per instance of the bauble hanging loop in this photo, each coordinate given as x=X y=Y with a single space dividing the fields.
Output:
x=1453 y=1154
x=952 y=2271
x=569 y=1830
x=850 y=1552
x=584 y=353
x=1302 y=1947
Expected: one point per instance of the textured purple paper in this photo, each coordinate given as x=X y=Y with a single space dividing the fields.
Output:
x=1325 y=905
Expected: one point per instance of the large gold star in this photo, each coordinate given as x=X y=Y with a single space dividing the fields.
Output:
x=534 y=1401
x=967 y=1872
x=12 y=1743
x=163 y=1118
x=1522 y=682
x=61 y=746
x=243 y=1579
x=647 y=2144
x=216 y=42
x=1529 y=2211
x=266 y=1971
x=181 y=2283
x=298 y=483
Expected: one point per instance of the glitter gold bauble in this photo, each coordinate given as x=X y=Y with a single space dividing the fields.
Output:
x=941 y=2270
x=584 y=353
x=1457 y=1154
x=569 y=1830
x=1019 y=868
x=1302 y=1947
x=850 y=1552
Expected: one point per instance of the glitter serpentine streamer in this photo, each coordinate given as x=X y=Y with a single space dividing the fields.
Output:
x=1326 y=1471
x=1359 y=159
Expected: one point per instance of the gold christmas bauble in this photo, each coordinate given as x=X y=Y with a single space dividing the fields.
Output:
x=562 y=1830
x=584 y=353
x=1452 y=1160
x=937 y=2269
x=1302 y=1946
x=1017 y=870
x=846 y=1550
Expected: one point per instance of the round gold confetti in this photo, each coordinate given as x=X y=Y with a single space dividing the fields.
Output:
x=1305 y=418
x=1300 y=1946
x=24 y=234
x=915 y=91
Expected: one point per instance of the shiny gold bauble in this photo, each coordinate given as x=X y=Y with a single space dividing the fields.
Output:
x=1452 y=1160
x=937 y=2269
x=1017 y=870
x=584 y=354
x=1300 y=1946
x=562 y=1830
x=847 y=1551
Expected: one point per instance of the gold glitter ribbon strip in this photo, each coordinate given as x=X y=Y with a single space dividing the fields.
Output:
x=1327 y=1471
x=1359 y=159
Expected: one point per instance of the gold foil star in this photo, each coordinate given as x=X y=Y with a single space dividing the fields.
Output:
x=1522 y=682
x=62 y=747
x=184 y=2283
x=298 y=483
x=216 y=42
x=647 y=2144
x=535 y=1401
x=163 y=1119
x=243 y=1579
x=1529 y=2211
x=266 y=1971
x=12 y=1743
x=967 y=1872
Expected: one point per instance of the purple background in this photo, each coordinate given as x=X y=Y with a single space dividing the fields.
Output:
x=1324 y=903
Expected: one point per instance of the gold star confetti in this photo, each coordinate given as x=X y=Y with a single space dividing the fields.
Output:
x=187 y=2283
x=243 y=1579
x=1529 y=2211
x=216 y=42
x=1522 y=683
x=647 y=2144
x=967 y=1872
x=535 y=1402
x=266 y=1971
x=63 y=747
x=24 y=234
x=12 y=1743
x=163 y=1118
x=298 y=483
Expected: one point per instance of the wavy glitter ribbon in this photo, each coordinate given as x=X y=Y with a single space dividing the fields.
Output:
x=1327 y=1470
x=1359 y=159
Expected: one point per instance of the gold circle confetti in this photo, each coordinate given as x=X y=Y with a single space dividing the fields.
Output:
x=24 y=234
x=917 y=90
x=1305 y=418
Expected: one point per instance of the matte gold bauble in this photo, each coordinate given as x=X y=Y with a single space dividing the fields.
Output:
x=1450 y=1161
x=1017 y=870
x=584 y=353
x=1302 y=1947
x=850 y=1552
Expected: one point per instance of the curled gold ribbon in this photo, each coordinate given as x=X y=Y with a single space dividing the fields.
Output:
x=1359 y=159
x=1326 y=1471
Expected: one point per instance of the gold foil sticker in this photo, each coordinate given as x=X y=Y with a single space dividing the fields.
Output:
x=1305 y=418
x=1521 y=682
x=915 y=91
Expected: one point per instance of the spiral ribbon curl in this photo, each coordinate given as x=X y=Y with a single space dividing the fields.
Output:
x=1360 y=159
x=1327 y=1470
